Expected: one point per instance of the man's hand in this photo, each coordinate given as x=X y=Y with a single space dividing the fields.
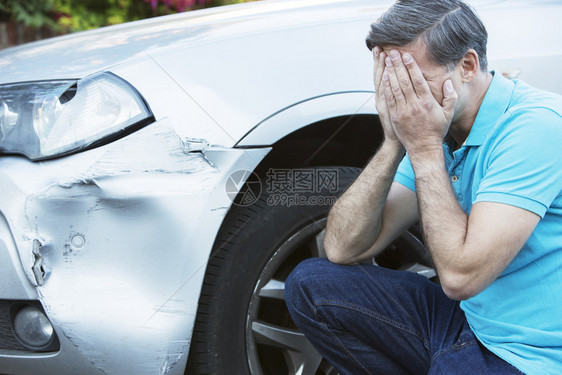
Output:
x=418 y=120
x=389 y=135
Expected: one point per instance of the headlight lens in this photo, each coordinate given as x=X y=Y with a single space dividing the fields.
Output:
x=52 y=118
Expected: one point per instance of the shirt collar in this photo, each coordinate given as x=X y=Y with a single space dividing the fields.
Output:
x=494 y=105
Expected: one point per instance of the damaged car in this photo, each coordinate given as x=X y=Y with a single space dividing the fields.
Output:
x=160 y=179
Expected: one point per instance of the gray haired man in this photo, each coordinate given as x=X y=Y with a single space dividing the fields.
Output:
x=483 y=173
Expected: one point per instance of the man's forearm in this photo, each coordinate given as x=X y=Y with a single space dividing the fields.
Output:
x=355 y=219
x=444 y=222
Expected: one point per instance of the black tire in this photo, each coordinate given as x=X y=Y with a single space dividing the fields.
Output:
x=243 y=326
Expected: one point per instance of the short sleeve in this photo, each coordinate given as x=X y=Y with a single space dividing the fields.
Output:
x=405 y=174
x=524 y=164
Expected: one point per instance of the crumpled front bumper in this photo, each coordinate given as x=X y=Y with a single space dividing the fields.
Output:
x=114 y=242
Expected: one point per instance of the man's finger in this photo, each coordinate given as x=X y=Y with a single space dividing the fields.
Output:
x=402 y=75
x=418 y=81
x=395 y=87
x=379 y=68
x=376 y=53
x=388 y=94
x=449 y=98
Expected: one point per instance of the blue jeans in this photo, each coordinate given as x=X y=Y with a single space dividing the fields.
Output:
x=371 y=320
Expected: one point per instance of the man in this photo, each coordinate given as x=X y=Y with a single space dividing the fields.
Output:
x=483 y=173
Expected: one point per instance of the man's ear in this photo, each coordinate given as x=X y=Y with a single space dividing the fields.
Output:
x=470 y=65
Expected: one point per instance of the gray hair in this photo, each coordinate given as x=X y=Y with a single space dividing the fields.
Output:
x=449 y=29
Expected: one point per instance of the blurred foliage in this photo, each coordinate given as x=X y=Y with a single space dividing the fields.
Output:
x=78 y=15
x=35 y=13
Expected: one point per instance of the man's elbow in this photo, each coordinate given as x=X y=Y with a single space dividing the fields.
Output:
x=457 y=294
x=458 y=287
x=335 y=252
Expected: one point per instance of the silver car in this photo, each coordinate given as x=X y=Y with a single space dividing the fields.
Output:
x=160 y=179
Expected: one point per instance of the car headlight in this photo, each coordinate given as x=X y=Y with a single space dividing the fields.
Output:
x=46 y=119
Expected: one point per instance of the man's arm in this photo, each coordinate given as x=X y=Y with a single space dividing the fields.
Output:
x=470 y=252
x=374 y=210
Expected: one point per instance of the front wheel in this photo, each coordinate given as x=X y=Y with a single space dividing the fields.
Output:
x=243 y=325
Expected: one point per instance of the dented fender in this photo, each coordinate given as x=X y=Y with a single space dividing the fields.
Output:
x=115 y=243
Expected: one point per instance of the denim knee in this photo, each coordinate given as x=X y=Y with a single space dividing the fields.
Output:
x=299 y=284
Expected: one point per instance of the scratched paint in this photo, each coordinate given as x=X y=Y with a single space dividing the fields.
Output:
x=105 y=229
x=114 y=242
x=122 y=235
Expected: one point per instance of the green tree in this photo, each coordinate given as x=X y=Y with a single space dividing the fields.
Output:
x=90 y=14
x=35 y=13
x=78 y=15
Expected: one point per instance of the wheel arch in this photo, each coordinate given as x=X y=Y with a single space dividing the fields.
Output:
x=336 y=129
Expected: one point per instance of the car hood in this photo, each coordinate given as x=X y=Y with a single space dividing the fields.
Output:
x=80 y=54
x=233 y=66
x=219 y=73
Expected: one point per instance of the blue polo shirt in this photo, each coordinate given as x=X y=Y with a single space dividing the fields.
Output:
x=513 y=155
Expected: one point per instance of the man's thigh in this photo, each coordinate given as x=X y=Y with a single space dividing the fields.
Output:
x=467 y=356
x=383 y=318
